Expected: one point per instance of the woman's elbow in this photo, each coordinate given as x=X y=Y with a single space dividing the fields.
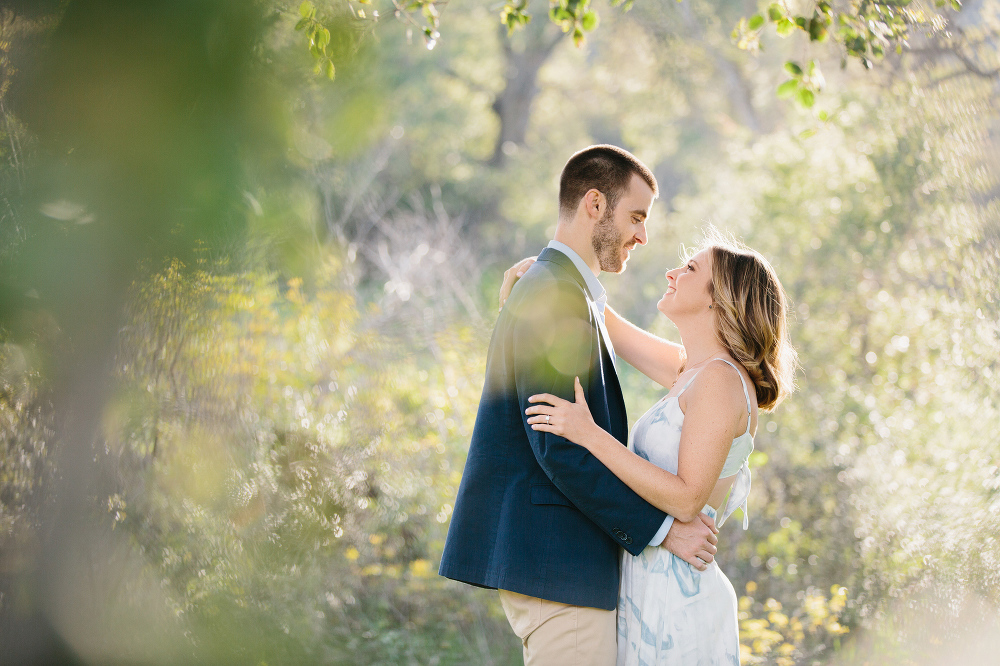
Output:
x=686 y=516
x=689 y=510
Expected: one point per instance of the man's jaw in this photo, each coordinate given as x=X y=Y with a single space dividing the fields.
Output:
x=628 y=252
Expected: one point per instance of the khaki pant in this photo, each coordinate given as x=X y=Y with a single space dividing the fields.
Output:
x=555 y=634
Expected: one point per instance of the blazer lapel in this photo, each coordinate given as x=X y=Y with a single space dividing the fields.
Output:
x=605 y=349
x=604 y=331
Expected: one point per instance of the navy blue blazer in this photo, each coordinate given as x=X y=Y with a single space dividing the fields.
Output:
x=536 y=513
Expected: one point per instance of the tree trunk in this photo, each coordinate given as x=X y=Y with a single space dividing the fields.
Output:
x=524 y=53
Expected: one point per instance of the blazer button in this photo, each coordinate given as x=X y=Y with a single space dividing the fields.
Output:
x=618 y=534
x=627 y=540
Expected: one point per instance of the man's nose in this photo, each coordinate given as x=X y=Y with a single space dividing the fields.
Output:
x=640 y=235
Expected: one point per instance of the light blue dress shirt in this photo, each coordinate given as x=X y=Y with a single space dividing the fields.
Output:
x=600 y=297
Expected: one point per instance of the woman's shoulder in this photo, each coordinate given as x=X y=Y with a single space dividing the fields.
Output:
x=723 y=378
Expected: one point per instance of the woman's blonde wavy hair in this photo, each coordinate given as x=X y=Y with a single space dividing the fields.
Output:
x=751 y=321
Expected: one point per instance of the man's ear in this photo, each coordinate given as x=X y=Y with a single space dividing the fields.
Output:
x=594 y=203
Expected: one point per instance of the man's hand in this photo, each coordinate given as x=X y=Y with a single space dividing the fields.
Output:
x=693 y=542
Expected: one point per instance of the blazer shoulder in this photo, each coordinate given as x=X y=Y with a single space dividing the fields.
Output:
x=563 y=274
x=550 y=286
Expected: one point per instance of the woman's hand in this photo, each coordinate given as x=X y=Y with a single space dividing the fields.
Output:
x=571 y=420
x=511 y=275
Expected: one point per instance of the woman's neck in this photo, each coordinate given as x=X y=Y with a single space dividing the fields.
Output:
x=700 y=341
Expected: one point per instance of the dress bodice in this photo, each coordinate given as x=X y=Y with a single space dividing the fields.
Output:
x=656 y=437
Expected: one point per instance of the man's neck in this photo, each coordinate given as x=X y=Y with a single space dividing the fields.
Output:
x=571 y=234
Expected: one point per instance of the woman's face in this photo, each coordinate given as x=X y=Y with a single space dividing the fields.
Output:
x=687 y=287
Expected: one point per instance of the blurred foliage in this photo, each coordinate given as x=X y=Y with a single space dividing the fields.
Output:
x=864 y=31
x=245 y=312
x=291 y=491
x=767 y=632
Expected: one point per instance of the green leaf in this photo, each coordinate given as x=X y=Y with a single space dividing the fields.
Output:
x=784 y=27
x=788 y=88
x=302 y=24
x=589 y=21
x=323 y=38
x=559 y=14
x=775 y=12
x=805 y=134
x=756 y=22
x=806 y=97
x=824 y=116
x=802 y=22
x=956 y=5
x=307 y=9
x=331 y=71
x=578 y=37
x=793 y=68
x=817 y=30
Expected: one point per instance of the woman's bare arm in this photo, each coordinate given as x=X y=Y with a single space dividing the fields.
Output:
x=715 y=408
x=658 y=359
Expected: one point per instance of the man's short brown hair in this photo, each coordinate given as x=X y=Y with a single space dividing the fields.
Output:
x=605 y=168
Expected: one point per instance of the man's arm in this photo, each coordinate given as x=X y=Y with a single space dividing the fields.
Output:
x=694 y=542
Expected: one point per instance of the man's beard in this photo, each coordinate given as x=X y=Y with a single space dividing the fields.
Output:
x=607 y=242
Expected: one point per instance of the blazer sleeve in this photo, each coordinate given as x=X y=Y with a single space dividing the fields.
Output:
x=553 y=342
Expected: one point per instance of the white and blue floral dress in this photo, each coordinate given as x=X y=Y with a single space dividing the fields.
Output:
x=668 y=611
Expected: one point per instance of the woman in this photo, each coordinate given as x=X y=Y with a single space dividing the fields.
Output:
x=689 y=452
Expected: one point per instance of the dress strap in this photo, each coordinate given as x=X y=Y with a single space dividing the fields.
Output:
x=689 y=382
x=740 y=490
x=746 y=394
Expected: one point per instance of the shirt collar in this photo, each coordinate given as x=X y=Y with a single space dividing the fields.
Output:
x=594 y=285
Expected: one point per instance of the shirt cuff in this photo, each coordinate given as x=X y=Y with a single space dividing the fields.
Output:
x=661 y=533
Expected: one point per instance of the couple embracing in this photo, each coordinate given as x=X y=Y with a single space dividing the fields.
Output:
x=551 y=494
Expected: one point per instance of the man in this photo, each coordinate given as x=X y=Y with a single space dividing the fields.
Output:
x=538 y=517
